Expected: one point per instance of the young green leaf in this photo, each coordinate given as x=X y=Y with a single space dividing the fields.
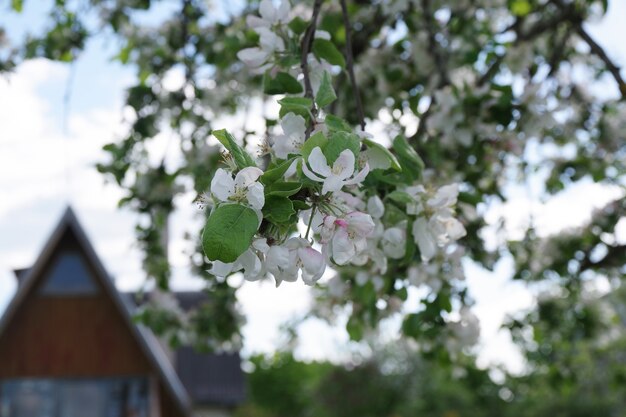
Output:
x=340 y=141
x=278 y=209
x=283 y=189
x=282 y=83
x=380 y=157
x=272 y=175
x=327 y=50
x=411 y=163
x=228 y=232
x=326 y=93
x=315 y=141
x=334 y=123
x=241 y=157
x=297 y=105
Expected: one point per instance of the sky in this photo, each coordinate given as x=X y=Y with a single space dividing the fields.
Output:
x=54 y=120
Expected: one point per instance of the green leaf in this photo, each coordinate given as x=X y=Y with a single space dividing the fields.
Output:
x=274 y=174
x=317 y=140
x=297 y=105
x=327 y=50
x=335 y=123
x=400 y=197
x=228 y=232
x=521 y=8
x=380 y=157
x=300 y=205
x=283 y=83
x=411 y=163
x=354 y=328
x=326 y=93
x=340 y=141
x=283 y=189
x=17 y=5
x=241 y=157
x=298 y=25
x=278 y=209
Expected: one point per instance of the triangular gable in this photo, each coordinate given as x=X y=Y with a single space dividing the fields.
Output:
x=82 y=255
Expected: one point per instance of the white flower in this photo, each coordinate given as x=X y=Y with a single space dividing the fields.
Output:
x=345 y=238
x=394 y=242
x=336 y=177
x=285 y=262
x=375 y=207
x=294 y=134
x=416 y=192
x=317 y=70
x=269 y=44
x=424 y=239
x=270 y=15
x=445 y=196
x=250 y=261
x=244 y=188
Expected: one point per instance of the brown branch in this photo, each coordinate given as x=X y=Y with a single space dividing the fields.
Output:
x=307 y=41
x=599 y=51
x=577 y=22
x=350 y=63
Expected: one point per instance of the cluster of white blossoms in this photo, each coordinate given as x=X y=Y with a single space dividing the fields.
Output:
x=323 y=194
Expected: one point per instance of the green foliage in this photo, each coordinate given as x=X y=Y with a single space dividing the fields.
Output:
x=326 y=93
x=240 y=156
x=229 y=231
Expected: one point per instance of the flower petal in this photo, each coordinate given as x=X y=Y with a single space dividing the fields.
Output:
x=255 y=195
x=306 y=171
x=344 y=164
x=424 y=239
x=247 y=176
x=318 y=162
x=222 y=185
x=375 y=207
x=253 y=57
x=342 y=247
x=332 y=184
x=360 y=223
x=313 y=265
x=360 y=176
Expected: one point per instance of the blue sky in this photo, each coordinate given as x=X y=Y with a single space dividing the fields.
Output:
x=48 y=147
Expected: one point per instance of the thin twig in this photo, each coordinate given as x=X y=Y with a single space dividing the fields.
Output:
x=577 y=21
x=350 y=63
x=307 y=41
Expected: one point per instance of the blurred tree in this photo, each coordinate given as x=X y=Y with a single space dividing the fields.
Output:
x=492 y=94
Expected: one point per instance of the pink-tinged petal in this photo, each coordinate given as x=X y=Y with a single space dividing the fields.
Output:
x=222 y=185
x=306 y=171
x=255 y=195
x=360 y=223
x=344 y=165
x=360 y=176
x=343 y=249
x=318 y=162
x=424 y=239
x=247 y=176
x=332 y=184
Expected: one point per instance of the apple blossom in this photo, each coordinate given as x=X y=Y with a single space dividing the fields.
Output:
x=336 y=177
x=344 y=238
x=244 y=188
x=294 y=134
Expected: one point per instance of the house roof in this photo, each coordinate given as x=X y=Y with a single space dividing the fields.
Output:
x=210 y=378
x=146 y=339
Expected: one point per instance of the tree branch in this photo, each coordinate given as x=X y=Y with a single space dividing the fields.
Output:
x=307 y=41
x=350 y=63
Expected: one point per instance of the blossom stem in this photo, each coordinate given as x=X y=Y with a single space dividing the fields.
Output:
x=350 y=64
x=308 y=229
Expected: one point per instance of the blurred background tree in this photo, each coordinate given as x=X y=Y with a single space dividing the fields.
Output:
x=503 y=96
